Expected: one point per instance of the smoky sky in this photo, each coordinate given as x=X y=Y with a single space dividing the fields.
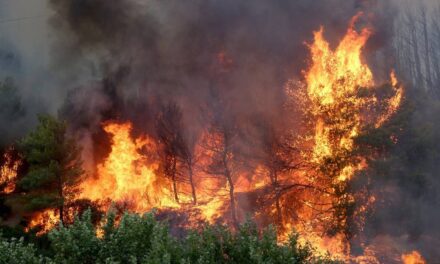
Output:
x=137 y=54
x=149 y=52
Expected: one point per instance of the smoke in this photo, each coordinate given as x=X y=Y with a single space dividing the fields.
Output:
x=405 y=181
x=149 y=52
x=145 y=52
x=26 y=85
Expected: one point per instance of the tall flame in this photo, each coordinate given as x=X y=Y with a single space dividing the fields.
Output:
x=333 y=81
x=127 y=176
x=340 y=90
x=130 y=176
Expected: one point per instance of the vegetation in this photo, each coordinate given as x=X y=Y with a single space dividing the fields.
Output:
x=141 y=239
x=50 y=175
x=54 y=167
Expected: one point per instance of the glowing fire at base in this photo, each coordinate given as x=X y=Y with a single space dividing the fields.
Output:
x=8 y=173
x=413 y=257
x=45 y=220
x=130 y=176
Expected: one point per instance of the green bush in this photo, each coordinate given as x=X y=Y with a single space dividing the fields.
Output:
x=142 y=239
x=15 y=251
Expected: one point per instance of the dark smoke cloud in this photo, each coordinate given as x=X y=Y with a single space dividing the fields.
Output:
x=153 y=51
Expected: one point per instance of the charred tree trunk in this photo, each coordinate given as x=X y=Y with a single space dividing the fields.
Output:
x=275 y=186
x=228 y=176
x=173 y=175
x=175 y=150
x=61 y=196
x=191 y=181
x=223 y=130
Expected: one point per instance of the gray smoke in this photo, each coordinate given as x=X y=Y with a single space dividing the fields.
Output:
x=150 y=51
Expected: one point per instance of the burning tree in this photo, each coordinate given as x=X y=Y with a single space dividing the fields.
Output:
x=176 y=152
x=221 y=147
x=220 y=144
x=54 y=167
x=343 y=101
x=9 y=166
x=277 y=153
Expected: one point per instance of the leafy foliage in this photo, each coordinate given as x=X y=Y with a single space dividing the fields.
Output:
x=15 y=251
x=142 y=239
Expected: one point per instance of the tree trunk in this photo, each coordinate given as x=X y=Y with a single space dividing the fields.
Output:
x=228 y=176
x=62 y=212
x=274 y=180
x=232 y=199
x=436 y=56
x=191 y=181
x=173 y=171
x=427 y=50
x=278 y=207
x=417 y=60
x=61 y=194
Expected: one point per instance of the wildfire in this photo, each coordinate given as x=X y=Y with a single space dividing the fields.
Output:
x=8 y=172
x=333 y=83
x=340 y=91
x=413 y=257
x=341 y=101
x=127 y=176
x=131 y=176
x=45 y=220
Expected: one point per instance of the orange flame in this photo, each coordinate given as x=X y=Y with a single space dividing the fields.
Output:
x=413 y=257
x=340 y=87
x=127 y=176
x=130 y=176
x=332 y=83
x=8 y=172
x=46 y=220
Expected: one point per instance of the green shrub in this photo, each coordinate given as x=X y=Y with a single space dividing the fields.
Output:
x=15 y=251
x=142 y=239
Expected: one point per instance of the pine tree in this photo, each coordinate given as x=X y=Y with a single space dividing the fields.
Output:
x=54 y=166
